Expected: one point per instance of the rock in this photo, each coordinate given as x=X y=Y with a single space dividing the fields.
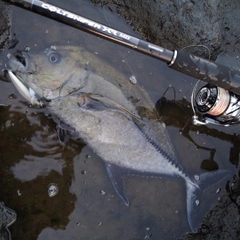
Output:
x=184 y=24
x=5 y=24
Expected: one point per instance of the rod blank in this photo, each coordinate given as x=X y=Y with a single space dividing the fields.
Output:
x=202 y=69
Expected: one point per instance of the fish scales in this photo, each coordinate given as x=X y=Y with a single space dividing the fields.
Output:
x=116 y=139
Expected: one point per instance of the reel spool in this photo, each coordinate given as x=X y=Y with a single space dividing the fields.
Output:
x=215 y=105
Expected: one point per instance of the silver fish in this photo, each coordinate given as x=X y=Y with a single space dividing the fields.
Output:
x=114 y=117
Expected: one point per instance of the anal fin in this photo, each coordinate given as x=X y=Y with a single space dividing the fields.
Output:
x=117 y=179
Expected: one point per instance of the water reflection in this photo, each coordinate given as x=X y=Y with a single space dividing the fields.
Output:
x=29 y=167
x=181 y=109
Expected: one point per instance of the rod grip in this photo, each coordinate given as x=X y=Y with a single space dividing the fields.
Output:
x=207 y=71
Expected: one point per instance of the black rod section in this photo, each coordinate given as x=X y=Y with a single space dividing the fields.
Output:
x=95 y=28
x=205 y=70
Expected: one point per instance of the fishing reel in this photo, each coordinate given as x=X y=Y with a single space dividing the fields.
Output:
x=215 y=105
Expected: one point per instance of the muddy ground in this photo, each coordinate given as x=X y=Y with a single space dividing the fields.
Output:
x=4 y=24
x=184 y=24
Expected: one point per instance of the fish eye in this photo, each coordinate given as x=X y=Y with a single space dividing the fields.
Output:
x=54 y=58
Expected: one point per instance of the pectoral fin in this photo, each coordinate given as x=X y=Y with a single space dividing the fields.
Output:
x=64 y=132
x=98 y=102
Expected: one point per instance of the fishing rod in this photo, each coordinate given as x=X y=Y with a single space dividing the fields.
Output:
x=210 y=100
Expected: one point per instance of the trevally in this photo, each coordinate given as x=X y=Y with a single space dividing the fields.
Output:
x=91 y=100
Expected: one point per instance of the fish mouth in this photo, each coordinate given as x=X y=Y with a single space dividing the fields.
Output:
x=25 y=91
x=19 y=61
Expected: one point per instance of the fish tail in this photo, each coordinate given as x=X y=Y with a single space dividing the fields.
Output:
x=196 y=199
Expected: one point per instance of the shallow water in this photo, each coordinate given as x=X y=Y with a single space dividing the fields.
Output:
x=86 y=205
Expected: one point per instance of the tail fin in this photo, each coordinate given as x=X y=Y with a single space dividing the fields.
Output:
x=201 y=194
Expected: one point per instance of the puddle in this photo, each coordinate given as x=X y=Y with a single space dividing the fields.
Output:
x=86 y=205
